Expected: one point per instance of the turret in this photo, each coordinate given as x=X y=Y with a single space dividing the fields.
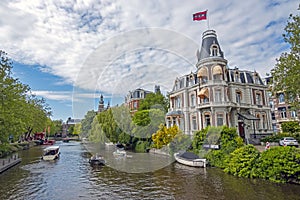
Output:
x=210 y=46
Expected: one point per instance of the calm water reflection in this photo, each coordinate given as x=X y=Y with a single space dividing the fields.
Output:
x=71 y=177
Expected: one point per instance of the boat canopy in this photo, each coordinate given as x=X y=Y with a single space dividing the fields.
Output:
x=51 y=148
x=188 y=155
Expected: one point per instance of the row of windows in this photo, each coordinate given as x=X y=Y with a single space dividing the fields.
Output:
x=283 y=113
x=194 y=124
x=207 y=120
x=218 y=97
x=217 y=74
x=245 y=77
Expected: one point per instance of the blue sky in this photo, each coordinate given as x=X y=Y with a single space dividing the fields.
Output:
x=70 y=52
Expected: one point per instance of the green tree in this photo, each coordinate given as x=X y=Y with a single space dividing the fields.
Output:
x=20 y=112
x=229 y=141
x=56 y=127
x=146 y=122
x=96 y=133
x=198 y=139
x=180 y=142
x=242 y=161
x=109 y=125
x=290 y=127
x=77 y=129
x=141 y=118
x=286 y=74
x=155 y=101
x=164 y=136
x=86 y=123
x=122 y=116
x=279 y=164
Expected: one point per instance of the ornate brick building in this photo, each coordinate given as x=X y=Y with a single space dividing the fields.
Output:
x=133 y=98
x=215 y=95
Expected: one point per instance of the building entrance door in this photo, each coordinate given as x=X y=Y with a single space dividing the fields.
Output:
x=242 y=130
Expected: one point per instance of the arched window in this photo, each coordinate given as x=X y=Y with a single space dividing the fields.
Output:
x=203 y=75
x=214 y=50
x=207 y=119
x=204 y=95
x=217 y=72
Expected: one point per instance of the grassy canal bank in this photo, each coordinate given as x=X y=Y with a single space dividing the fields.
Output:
x=10 y=148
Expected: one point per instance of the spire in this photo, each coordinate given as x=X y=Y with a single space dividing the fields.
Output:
x=101 y=99
x=101 y=104
x=210 y=46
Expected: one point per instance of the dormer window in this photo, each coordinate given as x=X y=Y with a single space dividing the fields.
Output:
x=237 y=77
x=214 y=50
x=256 y=78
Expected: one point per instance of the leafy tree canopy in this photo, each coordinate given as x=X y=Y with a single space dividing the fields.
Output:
x=154 y=101
x=21 y=113
x=286 y=74
x=86 y=123
x=164 y=136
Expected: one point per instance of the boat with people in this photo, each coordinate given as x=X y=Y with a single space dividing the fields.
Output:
x=190 y=159
x=51 y=153
x=97 y=160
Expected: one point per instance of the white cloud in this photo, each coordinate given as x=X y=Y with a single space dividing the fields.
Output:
x=67 y=96
x=88 y=43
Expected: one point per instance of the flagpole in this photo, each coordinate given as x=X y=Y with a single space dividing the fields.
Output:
x=207 y=19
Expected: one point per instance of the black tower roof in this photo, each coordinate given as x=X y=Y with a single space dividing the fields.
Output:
x=209 y=40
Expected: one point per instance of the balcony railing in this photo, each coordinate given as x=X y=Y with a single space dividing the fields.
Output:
x=213 y=82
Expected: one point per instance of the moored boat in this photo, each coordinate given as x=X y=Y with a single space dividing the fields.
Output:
x=51 y=153
x=66 y=140
x=49 y=142
x=97 y=160
x=190 y=159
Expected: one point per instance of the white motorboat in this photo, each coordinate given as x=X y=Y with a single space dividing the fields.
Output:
x=51 y=153
x=190 y=159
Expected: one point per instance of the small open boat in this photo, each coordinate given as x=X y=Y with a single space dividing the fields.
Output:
x=97 y=160
x=51 y=153
x=120 y=153
x=66 y=140
x=190 y=159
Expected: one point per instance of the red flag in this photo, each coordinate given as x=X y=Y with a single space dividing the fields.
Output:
x=200 y=16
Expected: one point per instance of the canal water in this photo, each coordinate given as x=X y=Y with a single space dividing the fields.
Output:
x=71 y=177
